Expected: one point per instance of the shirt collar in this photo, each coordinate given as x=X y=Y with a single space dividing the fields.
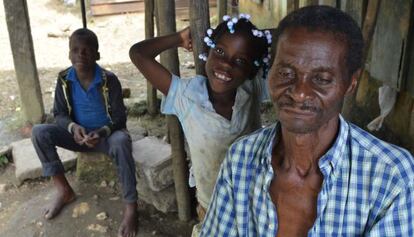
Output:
x=74 y=78
x=329 y=161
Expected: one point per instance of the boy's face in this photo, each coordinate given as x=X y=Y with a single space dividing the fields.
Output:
x=230 y=63
x=82 y=54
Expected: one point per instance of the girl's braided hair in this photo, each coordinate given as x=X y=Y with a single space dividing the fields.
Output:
x=262 y=40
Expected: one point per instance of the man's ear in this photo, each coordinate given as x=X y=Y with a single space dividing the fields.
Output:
x=98 y=56
x=354 y=82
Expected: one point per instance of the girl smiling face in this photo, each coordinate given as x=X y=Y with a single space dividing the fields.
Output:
x=230 y=62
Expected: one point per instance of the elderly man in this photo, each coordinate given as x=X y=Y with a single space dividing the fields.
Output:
x=312 y=173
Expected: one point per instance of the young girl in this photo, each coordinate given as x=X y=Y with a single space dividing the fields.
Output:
x=217 y=109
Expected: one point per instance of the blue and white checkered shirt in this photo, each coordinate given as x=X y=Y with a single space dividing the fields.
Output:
x=368 y=188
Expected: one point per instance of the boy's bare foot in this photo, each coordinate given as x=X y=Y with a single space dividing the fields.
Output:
x=129 y=223
x=61 y=199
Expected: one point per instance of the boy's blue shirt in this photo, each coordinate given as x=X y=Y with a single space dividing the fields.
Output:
x=88 y=106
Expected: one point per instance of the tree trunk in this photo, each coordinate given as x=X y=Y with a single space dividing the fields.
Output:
x=18 y=24
x=221 y=9
x=152 y=104
x=169 y=58
x=199 y=23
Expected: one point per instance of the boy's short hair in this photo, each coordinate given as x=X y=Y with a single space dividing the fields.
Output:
x=331 y=20
x=87 y=34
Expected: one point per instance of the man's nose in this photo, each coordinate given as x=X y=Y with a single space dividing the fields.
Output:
x=300 y=90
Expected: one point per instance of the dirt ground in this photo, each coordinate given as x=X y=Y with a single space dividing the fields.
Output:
x=21 y=206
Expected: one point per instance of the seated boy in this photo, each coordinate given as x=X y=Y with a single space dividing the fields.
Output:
x=90 y=116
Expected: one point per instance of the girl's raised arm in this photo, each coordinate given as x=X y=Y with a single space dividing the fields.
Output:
x=143 y=55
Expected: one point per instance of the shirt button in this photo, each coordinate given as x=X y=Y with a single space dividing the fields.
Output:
x=271 y=226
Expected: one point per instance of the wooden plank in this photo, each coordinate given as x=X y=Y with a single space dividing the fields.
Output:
x=117 y=7
x=390 y=41
x=97 y=2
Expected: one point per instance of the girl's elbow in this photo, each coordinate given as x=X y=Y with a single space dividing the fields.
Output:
x=134 y=53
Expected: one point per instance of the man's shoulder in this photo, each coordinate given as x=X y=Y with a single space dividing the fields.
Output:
x=397 y=159
x=254 y=144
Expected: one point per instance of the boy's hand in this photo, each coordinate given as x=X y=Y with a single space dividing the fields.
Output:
x=185 y=36
x=79 y=133
x=92 y=139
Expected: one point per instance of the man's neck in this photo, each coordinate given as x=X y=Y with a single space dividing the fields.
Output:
x=302 y=152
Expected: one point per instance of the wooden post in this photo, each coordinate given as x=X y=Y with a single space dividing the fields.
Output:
x=292 y=5
x=169 y=58
x=369 y=23
x=221 y=9
x=311 y=2
x=18 y=24
x=199 y=23
x=83 y=14
x=152 y=104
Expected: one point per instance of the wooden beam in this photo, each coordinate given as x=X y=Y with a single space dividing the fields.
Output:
x=169 y=59
x=152 y=104
x=18 y=24
x=199 y=23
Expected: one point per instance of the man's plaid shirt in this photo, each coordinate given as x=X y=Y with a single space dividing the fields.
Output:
x=368 y=188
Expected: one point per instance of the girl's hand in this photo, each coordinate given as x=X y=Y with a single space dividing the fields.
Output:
x=185 y=36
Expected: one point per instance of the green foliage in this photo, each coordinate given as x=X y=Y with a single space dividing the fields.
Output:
x=3 y=160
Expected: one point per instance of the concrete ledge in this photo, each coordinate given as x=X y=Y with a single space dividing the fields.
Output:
x=153 y=163
x=27 y=162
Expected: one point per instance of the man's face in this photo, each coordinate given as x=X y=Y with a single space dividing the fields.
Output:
x=309 y=79
x=82 y=53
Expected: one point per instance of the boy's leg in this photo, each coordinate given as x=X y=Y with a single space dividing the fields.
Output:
x=120 y=149
x=45 y=138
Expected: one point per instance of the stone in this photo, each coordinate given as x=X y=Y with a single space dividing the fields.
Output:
x=39 y=224
x=102 y=216
x=164 y=201
x=5 y=150
x=5 y=187
x=114 y=198
x=98 y=228
x=80 y=209
x=103 y=184
x=27 y=163
x=95 y=167
x=153 y=163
